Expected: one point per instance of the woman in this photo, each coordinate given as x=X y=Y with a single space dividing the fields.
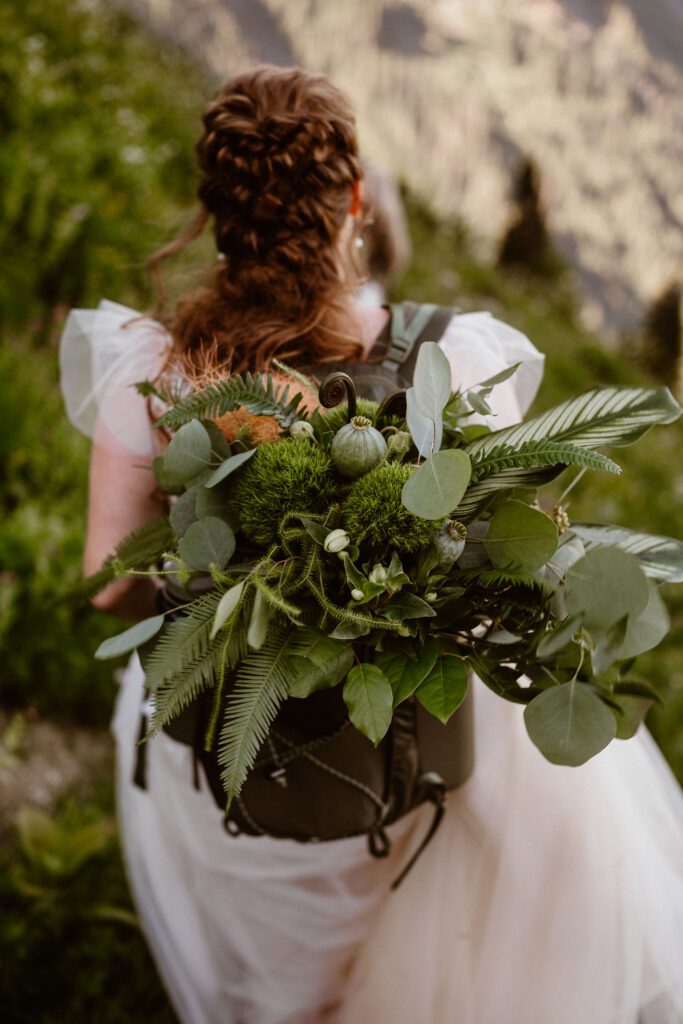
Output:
x=548 y=893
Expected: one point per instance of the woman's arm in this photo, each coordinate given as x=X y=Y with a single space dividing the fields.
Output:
x=122 y=496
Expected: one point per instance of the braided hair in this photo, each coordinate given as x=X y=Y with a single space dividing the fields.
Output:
x=278 y=159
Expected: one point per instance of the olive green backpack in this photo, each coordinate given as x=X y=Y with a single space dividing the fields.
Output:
x=316 y=778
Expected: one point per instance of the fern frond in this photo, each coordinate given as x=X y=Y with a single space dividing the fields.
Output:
x=478 y=496
x=260 y=688
x=254 y=392
x=496 y=578
x=537 y=455
x=183 y=642
x=347 y=614
x=185 y=686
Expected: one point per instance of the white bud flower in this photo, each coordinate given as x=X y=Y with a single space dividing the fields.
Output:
x=357 y=594
x=378 y=574
x=403 y=631
x=301 y=429
x=431 y=596
x=336 y=541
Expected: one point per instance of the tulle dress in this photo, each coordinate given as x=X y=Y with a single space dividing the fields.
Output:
x=549 y=895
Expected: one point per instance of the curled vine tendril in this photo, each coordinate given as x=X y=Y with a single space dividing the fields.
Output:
x=334 y=389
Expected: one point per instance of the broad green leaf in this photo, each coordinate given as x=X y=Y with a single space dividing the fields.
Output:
x=661 y=558
x=258 y=623
x=520 y=537
x=408 y=606
x=226 y=606
x=432 y=379
x=445 y=687
x=322 y=662
x=219 y=445
x=404 y=674
x=426 y=433
x=369 y=701
x=184 y=512
x=188 y=454
x=207 y=542
x=436 y=487
x=478 y=403
x=232 y=463
x=558 y=638
x=569 y=723
x=604 y=586
x=124 y=643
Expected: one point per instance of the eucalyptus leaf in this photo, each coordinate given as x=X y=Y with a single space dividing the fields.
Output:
x=369 y=700
x=647 y=629
x=226 y=606
x=569 y=723
x=184 y=512
x=479 y=404
x=426 y=433
x=436 y=487
x=207 y=542
x=213 y=501
x=188 y=454
x=604 y=586
x=432 y=380
x=232 y=463
x=558 y=638
x=135 y=636
x=661 y=558
x=445 y=687
x=634 y=710
x=520 y=537
x=607 y=646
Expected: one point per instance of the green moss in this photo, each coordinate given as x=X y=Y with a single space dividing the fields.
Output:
x=338 y=416
x=376 y=518
x=283 y=476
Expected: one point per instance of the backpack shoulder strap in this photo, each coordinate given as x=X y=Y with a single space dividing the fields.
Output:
x=411 y=324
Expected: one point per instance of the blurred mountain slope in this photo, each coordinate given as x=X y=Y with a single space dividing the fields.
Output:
x=450 y=95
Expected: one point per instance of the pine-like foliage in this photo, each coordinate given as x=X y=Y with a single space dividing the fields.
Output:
x=499 y=579
x=254 y=392
x=139 y=549
x=259 y=690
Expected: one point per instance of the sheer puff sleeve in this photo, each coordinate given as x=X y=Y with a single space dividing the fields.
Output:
x=479 y=346
x=104 y=352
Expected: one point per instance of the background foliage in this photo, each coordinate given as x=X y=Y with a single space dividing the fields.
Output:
x=97 y=124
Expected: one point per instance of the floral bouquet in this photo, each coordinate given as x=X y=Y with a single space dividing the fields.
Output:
x=393 y=550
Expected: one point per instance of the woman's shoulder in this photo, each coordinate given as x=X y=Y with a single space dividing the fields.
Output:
x=104 y=353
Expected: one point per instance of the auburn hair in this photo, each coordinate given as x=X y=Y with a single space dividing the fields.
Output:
x=278 y=159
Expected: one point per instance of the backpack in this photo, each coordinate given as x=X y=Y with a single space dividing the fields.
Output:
x=316 y=778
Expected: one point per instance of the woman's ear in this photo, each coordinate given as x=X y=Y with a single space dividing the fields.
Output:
x=356 y=198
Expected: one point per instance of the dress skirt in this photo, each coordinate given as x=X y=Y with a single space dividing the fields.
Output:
x=549 y=895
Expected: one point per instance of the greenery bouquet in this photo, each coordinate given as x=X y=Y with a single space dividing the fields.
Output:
x=393 y=550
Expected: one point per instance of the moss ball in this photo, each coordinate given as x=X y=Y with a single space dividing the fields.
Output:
x=375 y=517
x=337 y=417
x=285 y=476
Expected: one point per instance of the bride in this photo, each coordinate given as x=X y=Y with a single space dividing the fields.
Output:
x=549 y=894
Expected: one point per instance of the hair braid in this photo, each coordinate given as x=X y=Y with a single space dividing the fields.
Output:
x=278 y=158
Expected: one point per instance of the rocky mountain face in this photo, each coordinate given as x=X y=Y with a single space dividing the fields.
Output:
x=451 y=95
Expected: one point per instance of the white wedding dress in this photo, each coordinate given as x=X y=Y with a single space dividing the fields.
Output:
x=549 y=895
